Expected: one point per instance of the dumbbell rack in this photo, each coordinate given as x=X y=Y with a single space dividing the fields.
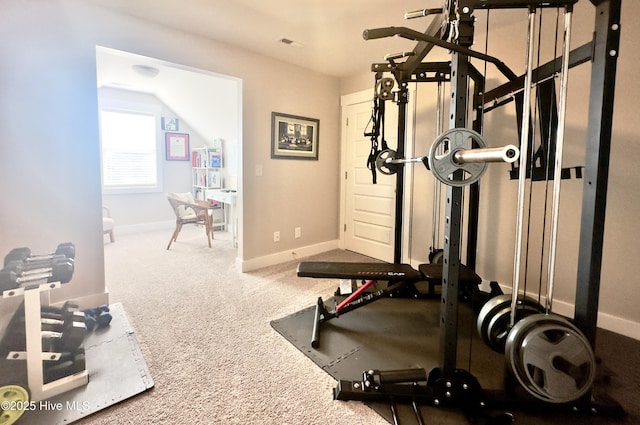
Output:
x=34 y=356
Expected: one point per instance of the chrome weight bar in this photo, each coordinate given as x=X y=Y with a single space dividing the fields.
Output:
x=458 y=154
x=388 y=163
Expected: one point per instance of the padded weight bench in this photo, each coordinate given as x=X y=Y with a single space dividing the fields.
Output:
x=432 y=273
x=399 y=276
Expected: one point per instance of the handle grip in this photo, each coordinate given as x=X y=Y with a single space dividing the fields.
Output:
x=375 y=33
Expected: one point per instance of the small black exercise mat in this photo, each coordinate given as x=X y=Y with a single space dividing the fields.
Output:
x=394 y=333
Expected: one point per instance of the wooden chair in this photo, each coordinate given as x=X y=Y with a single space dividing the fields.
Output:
x=108 y=224
x=189 y=210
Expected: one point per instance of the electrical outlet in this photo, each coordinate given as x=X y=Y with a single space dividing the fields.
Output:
x=298 y=232
x=276 y=236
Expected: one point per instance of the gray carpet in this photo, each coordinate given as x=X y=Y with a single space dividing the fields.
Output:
x=203 y=329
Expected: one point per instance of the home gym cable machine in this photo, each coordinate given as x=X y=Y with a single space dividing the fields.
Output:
x=457 y=149
x=561 y=378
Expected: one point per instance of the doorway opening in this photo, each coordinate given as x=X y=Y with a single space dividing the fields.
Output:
x=192 y=111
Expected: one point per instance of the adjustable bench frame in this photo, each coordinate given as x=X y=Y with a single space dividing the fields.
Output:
x=399 y=277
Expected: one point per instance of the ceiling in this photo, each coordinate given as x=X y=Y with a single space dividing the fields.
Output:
x=329 y=31
x=327 y=37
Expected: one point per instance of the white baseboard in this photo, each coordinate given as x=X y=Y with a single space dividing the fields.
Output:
x=129 y=229
x=606 y=321
x=284 y=256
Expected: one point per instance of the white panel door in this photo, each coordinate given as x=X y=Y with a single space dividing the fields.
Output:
x=369 y=208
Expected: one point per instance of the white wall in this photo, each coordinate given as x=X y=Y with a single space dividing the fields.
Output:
x=49 y=156
x=618 y=297
x=133 y=209
x=50 y=164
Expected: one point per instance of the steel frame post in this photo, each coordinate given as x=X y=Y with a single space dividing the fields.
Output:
x=596 y=174
x=474 y=189
x=454 y=209
x=402 y=101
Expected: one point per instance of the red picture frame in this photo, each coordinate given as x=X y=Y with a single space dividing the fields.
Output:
x=177 y=146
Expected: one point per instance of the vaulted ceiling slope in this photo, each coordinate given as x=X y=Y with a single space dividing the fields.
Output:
x=327 y=34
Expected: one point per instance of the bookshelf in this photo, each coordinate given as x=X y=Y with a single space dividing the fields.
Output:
x=206 y=167
x=206 y=164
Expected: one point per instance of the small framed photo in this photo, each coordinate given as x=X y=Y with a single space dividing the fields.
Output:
x=294 y=137
x=170 y=124
x=177 y=146
x=214 y=180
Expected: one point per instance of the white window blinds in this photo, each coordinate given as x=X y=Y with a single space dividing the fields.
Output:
x=129 y=150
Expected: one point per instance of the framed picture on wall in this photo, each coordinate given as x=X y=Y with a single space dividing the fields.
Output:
x=177 y=146
x=294 y=137
x=170 y=124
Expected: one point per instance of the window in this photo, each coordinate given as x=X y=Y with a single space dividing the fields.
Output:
x=129 y=152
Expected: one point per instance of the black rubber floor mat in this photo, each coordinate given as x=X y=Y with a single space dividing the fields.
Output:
x=397 y=333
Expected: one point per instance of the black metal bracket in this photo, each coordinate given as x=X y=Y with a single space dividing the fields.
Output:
x=426 y=72
x=461 y=390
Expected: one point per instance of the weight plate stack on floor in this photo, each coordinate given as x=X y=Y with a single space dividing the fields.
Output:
x=550 y=358
x=494 y=319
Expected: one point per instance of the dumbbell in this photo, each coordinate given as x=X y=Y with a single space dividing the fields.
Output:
x=69 y=335
x=58 y=323
x=35 y=263
x=20 y=259
x=97 y=317
x=64 y=329
x=15 y=273
x=66 y=249
x=52 y=316
x=68 y=364
x=59 y=334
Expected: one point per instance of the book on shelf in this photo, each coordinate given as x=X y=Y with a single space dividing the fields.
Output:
x=215 y=160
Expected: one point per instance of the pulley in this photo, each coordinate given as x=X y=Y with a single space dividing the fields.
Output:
x=385 y=87
x=550 y=358
x=436 y=256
